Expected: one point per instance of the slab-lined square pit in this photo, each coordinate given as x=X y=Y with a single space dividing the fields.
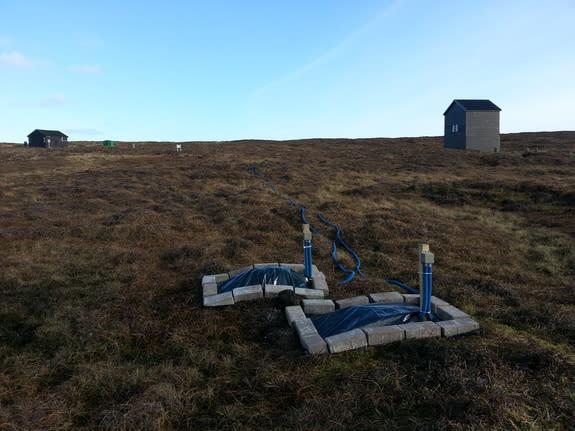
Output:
x=212 y=298
x=452 y=322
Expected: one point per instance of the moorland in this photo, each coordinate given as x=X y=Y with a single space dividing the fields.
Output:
x=102 y=250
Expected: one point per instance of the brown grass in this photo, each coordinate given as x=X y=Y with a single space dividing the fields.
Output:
x=101 y=324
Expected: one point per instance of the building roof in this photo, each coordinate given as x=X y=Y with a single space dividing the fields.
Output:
x=48 y=133
x=474 y=105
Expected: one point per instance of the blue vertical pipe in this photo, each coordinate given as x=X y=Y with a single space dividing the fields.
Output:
x=427 y=290
x=307 y=258
x=307 y=251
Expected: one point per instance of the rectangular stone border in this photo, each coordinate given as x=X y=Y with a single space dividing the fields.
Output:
x=455 y=322
x=211 y=297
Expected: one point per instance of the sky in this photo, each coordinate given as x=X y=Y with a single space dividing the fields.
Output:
x=190 y=70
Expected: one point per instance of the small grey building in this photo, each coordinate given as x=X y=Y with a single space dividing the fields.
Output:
x=47 y=139
x=472 y=124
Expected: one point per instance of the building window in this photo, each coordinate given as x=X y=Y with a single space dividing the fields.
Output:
x=454 y=128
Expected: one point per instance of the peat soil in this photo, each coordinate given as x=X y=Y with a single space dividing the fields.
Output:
x=102 y=250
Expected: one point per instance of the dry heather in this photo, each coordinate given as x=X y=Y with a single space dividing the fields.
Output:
x=101 y=324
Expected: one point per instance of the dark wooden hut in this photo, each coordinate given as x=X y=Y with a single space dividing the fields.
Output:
x=472 y=124
x=47 y=139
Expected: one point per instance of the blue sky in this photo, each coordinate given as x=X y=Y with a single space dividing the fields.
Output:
x=279 y=69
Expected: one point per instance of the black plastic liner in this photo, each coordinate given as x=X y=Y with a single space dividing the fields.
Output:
x=267 y=275
x=363 y=316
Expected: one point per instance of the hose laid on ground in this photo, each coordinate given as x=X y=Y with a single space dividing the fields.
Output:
x=344 y=244
x=404 y=286
x=340 y=266
x=352 y=273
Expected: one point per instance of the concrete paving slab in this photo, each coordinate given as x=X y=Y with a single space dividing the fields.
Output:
x=383 y=334
x=293 y=313
x=297 y=267
x=386 y=297
x=318 y=274
x=309 y=338
x=449 y=312
x=220 y=278
x=430 y=329
x=437 y=302
x=468 y=325
x=261 y=265
x=320 y=284
x=349 y=340
x=348 y=302
x=309 y=293
x=314 y=344
x=318 y=306
x=209 y=289
x=218 y=300
x=412 y=330
x=208 y=279
x=248 y=293
x=451 y=328
x=304 y=327
x=421 y=330
x=411 y=298
x=272 y=290
x=235 y=272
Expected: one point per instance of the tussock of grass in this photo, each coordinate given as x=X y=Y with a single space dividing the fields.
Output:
x=101 y=324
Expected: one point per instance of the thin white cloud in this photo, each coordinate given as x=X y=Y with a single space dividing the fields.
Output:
x=17 y=60
x=344 y=45
x=57 y=100
x=86 y=68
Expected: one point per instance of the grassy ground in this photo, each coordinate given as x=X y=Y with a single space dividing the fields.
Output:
x=101 y=324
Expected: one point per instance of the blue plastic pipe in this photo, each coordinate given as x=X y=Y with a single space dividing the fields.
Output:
x=425 y=310
x=308 y=261
x=346 y=247
x=307 y=258
x=402 y=285
x=308 y=264
x=340 y=266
